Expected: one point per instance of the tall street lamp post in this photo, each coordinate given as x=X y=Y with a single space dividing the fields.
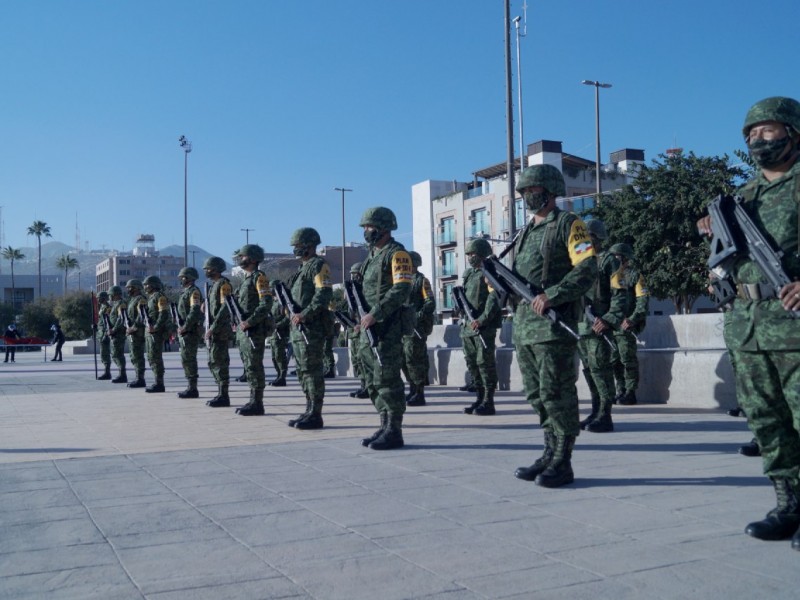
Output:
x=343 y=190
x=597 y=85
x=247 y=234
x=187 y=147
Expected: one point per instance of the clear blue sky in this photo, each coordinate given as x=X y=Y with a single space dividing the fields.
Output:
x=284 y=100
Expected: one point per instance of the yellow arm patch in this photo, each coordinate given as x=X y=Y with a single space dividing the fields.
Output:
x=196 y=298
x=323 y=278
x=580 y=244
x=262 y=286
x=224 y=290
x=163 y=303
x=427 y=291
x=401 y=267
x=618 y=280
x=641 y=288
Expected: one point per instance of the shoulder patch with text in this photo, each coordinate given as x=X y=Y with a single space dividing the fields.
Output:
x=163 y=303
x=580 y=244
x=262 y=286
x=323 y=278
x=401 y=267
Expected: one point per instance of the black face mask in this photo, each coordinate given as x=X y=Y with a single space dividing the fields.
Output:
x=474 y=261
x=769 y=153
x=371 y=236
x=300 y=251
x=536 y=200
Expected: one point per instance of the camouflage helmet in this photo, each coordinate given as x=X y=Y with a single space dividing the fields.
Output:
x=597 y=228
x=115 y=290
x=215 y=263
x=380 y=217
x=133 y=283
x=546 y=176
x=480 y=247
x=778 y=108
x=305 y=236
x=416 y=259
x=355 y=267
x=251 y=251
x=622 y=249
x=153 y=281
x=189 y=273
x=103 y=295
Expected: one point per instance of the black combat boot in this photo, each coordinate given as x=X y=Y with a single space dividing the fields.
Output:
x=221 y=400
x=106 y=374
x=157 y=387
x=750 y=449
x=796 y=541
x=783 y=521
x=602 y=423
x=530 y=473
x=139 y=382
x=479 y=395
x=302 y=416
x=330 y=373
x=191 y=391
x=254 y=408
x=392 y=435
x=559 y=471
x=595 y=401
x=314 y=419
x=121 y=378
x=279 y=381
x=362 y=392
x=486 y=408
x=412 y=389
x=242 y=378
x=384 y=420
x=418 y=399
x=629 y=399
x=470 y=387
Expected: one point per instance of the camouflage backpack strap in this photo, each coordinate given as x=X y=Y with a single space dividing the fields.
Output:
x=549 y=244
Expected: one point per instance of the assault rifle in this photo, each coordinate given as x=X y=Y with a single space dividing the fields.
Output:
x=177 y=320
x=126 y=318
x=507 y=283
x=207 y=315
x=345 y=319
x=284 y=298
x=590 y=316
x=735 y=236
x=358 y=304
x=237 y=316
x=144 y=315
x=466 y=309
x=107 y=323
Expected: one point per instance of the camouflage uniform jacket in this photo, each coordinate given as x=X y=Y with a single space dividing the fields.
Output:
x=553 y=255
x=220 y=317
x=386 y=276
x=103 y=329
x=600 y=297
x=482 y=300
x=311 y=289
x=630 y=291
x=421 y=298
x=764 y=324
x=189 y=309
x=255 y=298
x=133 y=313
x=282 y=323
x=117 y=322
x=158 y=312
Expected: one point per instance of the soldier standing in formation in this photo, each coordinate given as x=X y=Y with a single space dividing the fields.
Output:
x=279 y=343
x=160 y=320
x=386 y=284
x=328 y=361
x=104 y=334
x=255 y=299
x=478 y=336
x=628 y=284
x=311 y=290
x=190 y=333
x=602 y=313
x=352 y=340
x=415 y=347
x=136 y=331
x=554 y=253
x=218 y=333
x=117 y=334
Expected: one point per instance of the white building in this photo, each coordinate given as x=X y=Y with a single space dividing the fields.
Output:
x=145 y=260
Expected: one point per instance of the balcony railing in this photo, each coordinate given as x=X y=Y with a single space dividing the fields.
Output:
x=445 y=237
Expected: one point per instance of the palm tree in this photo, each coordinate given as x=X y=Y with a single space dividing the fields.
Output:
x=12 y=254
x=67 y=263
x=39 y=229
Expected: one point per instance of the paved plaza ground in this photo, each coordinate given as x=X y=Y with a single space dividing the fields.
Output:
x=109 y=492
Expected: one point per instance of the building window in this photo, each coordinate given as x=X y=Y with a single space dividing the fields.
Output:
x=447 y=230
x=480 y=223
x=447 y=296
x=519 y=213
x=125 y=272
x=448 y=263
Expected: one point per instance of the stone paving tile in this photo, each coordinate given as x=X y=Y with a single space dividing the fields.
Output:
x=157 y=516
x=261 y=530
x=273 y=588
x=527 y=582
x=50 y=534
x=90 y=583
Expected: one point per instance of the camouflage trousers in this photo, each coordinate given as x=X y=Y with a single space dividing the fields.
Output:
x=626 y=362
x=137 y=346
x=155 y=353
x=768 y=389
x=219 y=360
x=105 y=349
x=384 y=383
x=481 y=362
x=595 y=355
x=118 y=351
x=354 y=357
x=548 y=377
x=253 y=358
x=415 y=359
x=189 y=344
x=278 y=347
x=309 y=360
x=328 y=362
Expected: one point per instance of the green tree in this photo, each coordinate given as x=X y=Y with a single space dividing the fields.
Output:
x=7 y=315
x=12 y=254
x=75 y=314
x=67 y=263
x=37 y=317
x=39 y=229
x=657 y=216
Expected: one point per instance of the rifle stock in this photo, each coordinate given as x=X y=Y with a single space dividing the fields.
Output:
x=358 y=305
x=590 y=316
x=237 y=317
x=284 y=297
x=465 y=308
x=207 y=315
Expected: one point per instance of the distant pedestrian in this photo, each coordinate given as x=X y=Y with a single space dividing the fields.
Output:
x=58 y=340
x=11 y=336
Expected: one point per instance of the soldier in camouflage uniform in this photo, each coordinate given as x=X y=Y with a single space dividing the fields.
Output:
x=255 y=298
x=352 y=340
x=160 y=321
x=328 y=360
x=136 y=331
x=761 y=335
x=279 y=343
x=602 y=314
x=554 y=253
x=190 y=333
x=311 y=290
x=478 y=337
x=386 y=276
x=104 y=334
x=415 y=346
x=218 y=332
x=117 y=334
x=628 y=285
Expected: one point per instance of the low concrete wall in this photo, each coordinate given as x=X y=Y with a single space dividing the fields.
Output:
x=682 y=361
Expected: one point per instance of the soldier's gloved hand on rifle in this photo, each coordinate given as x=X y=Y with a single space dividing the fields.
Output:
x=475 y=325
x=368 y=321
x=599 y=326
x=704 y=226
x=297 y=319
x=244 y=325
x=790 y=296
x=540 y=304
